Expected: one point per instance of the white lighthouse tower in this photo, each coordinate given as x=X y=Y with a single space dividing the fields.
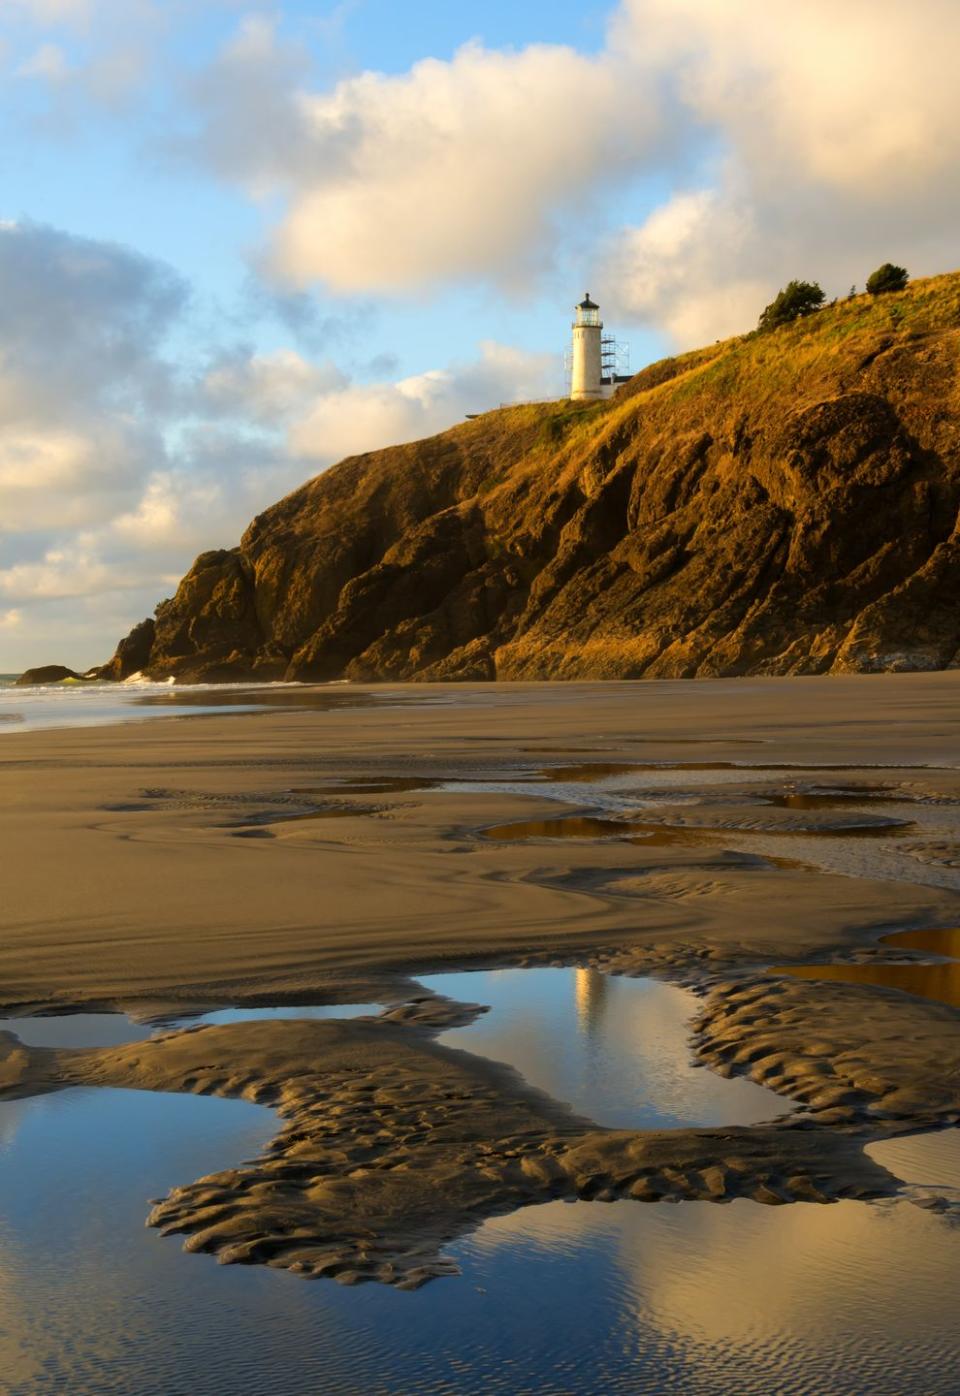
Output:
x=586 y=377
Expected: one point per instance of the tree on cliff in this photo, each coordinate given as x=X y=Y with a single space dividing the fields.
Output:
x=887 y=278
x=798 y=298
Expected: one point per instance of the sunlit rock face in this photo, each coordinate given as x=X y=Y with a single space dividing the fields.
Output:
x=780 y=503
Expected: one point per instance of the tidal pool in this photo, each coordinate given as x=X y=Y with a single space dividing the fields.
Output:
x=555 y=1300
x=114 y=1029
x=586 y=826
x=616 y=1050
x=939 y=981
x=836 y=797
x=77 y=1029
x=935 y=940
x=558 y=1300
x=929 y=1160
x=284 y=1010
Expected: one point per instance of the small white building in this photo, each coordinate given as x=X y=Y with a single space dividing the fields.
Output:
x=594 y=357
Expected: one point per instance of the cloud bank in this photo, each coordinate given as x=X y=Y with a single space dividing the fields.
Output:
x=809 y=140
x=836 y=142
x=120 y=460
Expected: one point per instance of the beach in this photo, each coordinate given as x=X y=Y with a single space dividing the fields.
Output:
x=132 y=875
x=711 y=835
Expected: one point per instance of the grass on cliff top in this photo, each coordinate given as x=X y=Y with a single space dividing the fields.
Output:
x=777 y=365
x=750 y=370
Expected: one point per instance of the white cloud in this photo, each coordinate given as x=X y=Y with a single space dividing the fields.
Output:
x=81 y=378
x=56 y=478
x=50 y=12
x=841 y=149
x=85 y=394
x=859 y=96
x=115 y=471
x=172 y=509
x=268 y=388
x=686 y=269
x=361 y=417
x=250 y=127
x=811 y=140
x=453 y=170
x=11 y=620
x=81 y=320
x=48 y=61
x=63 y=573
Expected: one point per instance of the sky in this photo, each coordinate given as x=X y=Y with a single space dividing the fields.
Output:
x=240 y=241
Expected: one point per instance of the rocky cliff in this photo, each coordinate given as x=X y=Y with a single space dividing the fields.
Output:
x=779 y=503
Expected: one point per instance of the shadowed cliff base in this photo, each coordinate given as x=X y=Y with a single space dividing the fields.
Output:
x=781 y=503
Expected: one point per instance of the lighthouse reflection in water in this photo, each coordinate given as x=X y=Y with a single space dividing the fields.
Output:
x=615 y=1050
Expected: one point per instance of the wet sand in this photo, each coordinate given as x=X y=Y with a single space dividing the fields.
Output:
x=194 y=863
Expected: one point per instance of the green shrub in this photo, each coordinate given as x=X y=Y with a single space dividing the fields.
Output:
x=798 y=298
x=887 y=278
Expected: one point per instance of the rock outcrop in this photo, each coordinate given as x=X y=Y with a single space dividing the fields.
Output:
x=779 y=503
x=132 y=654
x=48 y=673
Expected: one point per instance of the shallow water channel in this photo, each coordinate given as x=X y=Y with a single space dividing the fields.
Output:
x=938 y=980
x=560 y=1298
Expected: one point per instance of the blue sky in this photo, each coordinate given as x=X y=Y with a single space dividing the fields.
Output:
x=117 y=175
x=241 y=240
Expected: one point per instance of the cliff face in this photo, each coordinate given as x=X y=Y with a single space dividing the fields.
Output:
x=782 y=503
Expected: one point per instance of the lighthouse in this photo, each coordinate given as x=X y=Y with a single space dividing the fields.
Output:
x=586 y=377
x=595 y=361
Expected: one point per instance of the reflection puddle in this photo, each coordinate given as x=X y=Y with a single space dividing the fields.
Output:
x=585 y=826
x=939 y=981
x=588 y=771
x=255 y=823
x=740 y=1299
x=938 y=940
x=585 y=772
x=608 y=770
x=244 y=1015
x=835 y=798
x=629 y=1299
x=362 y=785
x=616 y=1050
x=114 y=1029
x=922 y=1160
x=77 y=1030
